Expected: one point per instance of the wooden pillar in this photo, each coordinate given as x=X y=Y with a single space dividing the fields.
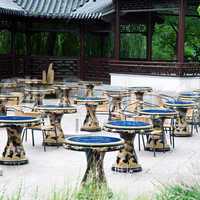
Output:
x=13 y=50
x=181 y=31
x=117 y=31
x=82 y=52
x=149 y=38
x=28 y=53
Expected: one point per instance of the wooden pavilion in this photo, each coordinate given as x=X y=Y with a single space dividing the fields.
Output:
x=100 y=18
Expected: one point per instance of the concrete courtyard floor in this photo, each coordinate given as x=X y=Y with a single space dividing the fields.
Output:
x=59 y=168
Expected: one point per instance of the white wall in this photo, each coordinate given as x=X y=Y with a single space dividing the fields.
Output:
x=158 y=83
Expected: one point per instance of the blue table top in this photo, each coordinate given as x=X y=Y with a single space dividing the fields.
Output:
x=190 y=94
x=94 y=141
x=89 y=98
x=128 y=123
x=177 y=102
x=54 y=106
x=158 y=111
x=15 y=118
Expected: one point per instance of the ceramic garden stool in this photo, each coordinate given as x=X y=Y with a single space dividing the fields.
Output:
x=139 y=92
x=64 y=93
x=181 y=127
x=157 y=142
x=127 y=161
x=89 y=87
x=91 y=122
x=14 y=153
x=95 y=148
x=4 y=98
x=38 y=94
x=55 y=113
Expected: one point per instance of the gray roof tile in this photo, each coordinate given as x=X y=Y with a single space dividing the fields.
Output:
x=79 y=9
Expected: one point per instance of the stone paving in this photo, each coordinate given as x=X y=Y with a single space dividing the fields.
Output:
x=58 y=167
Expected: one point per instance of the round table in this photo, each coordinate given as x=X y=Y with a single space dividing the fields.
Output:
x=14 y=153
x=55 y=113
x=38 y=94
x=158 y=116
x=91 y=122
x=64 y=93
x=139 y=92
x=4 y=98
x=89 y=87
x=181 y=127
x=127 y=161
x=95 y=148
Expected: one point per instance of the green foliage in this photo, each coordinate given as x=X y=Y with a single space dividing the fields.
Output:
x=5 y=39
x=179 y=192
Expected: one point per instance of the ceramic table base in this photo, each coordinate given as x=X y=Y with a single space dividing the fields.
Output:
x=157 y=142
x=2 y=108
x=14 y=153
x=94 y=172
x=55 y=137
x=91 y=123
x=39 y=99
x=181 y=126
x=116 y=108
x=89 y=90
x=127 y=161
x=64 y=100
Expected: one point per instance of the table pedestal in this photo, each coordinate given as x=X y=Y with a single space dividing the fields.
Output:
x=94 y=172
x=157 y=140
x=91 y=122
x=181 y=126
x=64 y=100
x=39 y=99
x=2 y=108
x=14 y=153
x=127 y=161
x=89 y=90
x=116 y=108
x=56 y=136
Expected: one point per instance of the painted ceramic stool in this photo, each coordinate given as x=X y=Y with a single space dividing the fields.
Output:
x=14 y=153
x=91 y=122
x=4 y=98
x=64 y=93
x=55 y=113
x=181 y=127
x=127 y=160
x=38 y=94
x=89 y=87
x=158 y=141
x=116 y=96
x=139 y=92
x=95 y=148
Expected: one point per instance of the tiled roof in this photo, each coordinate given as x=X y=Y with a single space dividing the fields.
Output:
x=80 y=9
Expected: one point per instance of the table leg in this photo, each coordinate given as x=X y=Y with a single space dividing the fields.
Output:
x=91 y=122
x=157 y=140
x=39 y=99
x=14 y=153
x=115 y=109
x=64 y=100
x=181 y=126
x=127 y=161
x=2 y=108
x=139 y=96
x=89 y=90
x=56 y=136
x=94 y=172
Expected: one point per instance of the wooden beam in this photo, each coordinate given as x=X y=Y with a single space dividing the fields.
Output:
x=82 y=52
x=13 y=49
x=117 y=31
x=181 y=31
x=149 y=38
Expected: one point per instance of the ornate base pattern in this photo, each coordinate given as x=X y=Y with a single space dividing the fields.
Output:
x=127 y=161
x=91 y=123
x=14 y=153
x=55 y=137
